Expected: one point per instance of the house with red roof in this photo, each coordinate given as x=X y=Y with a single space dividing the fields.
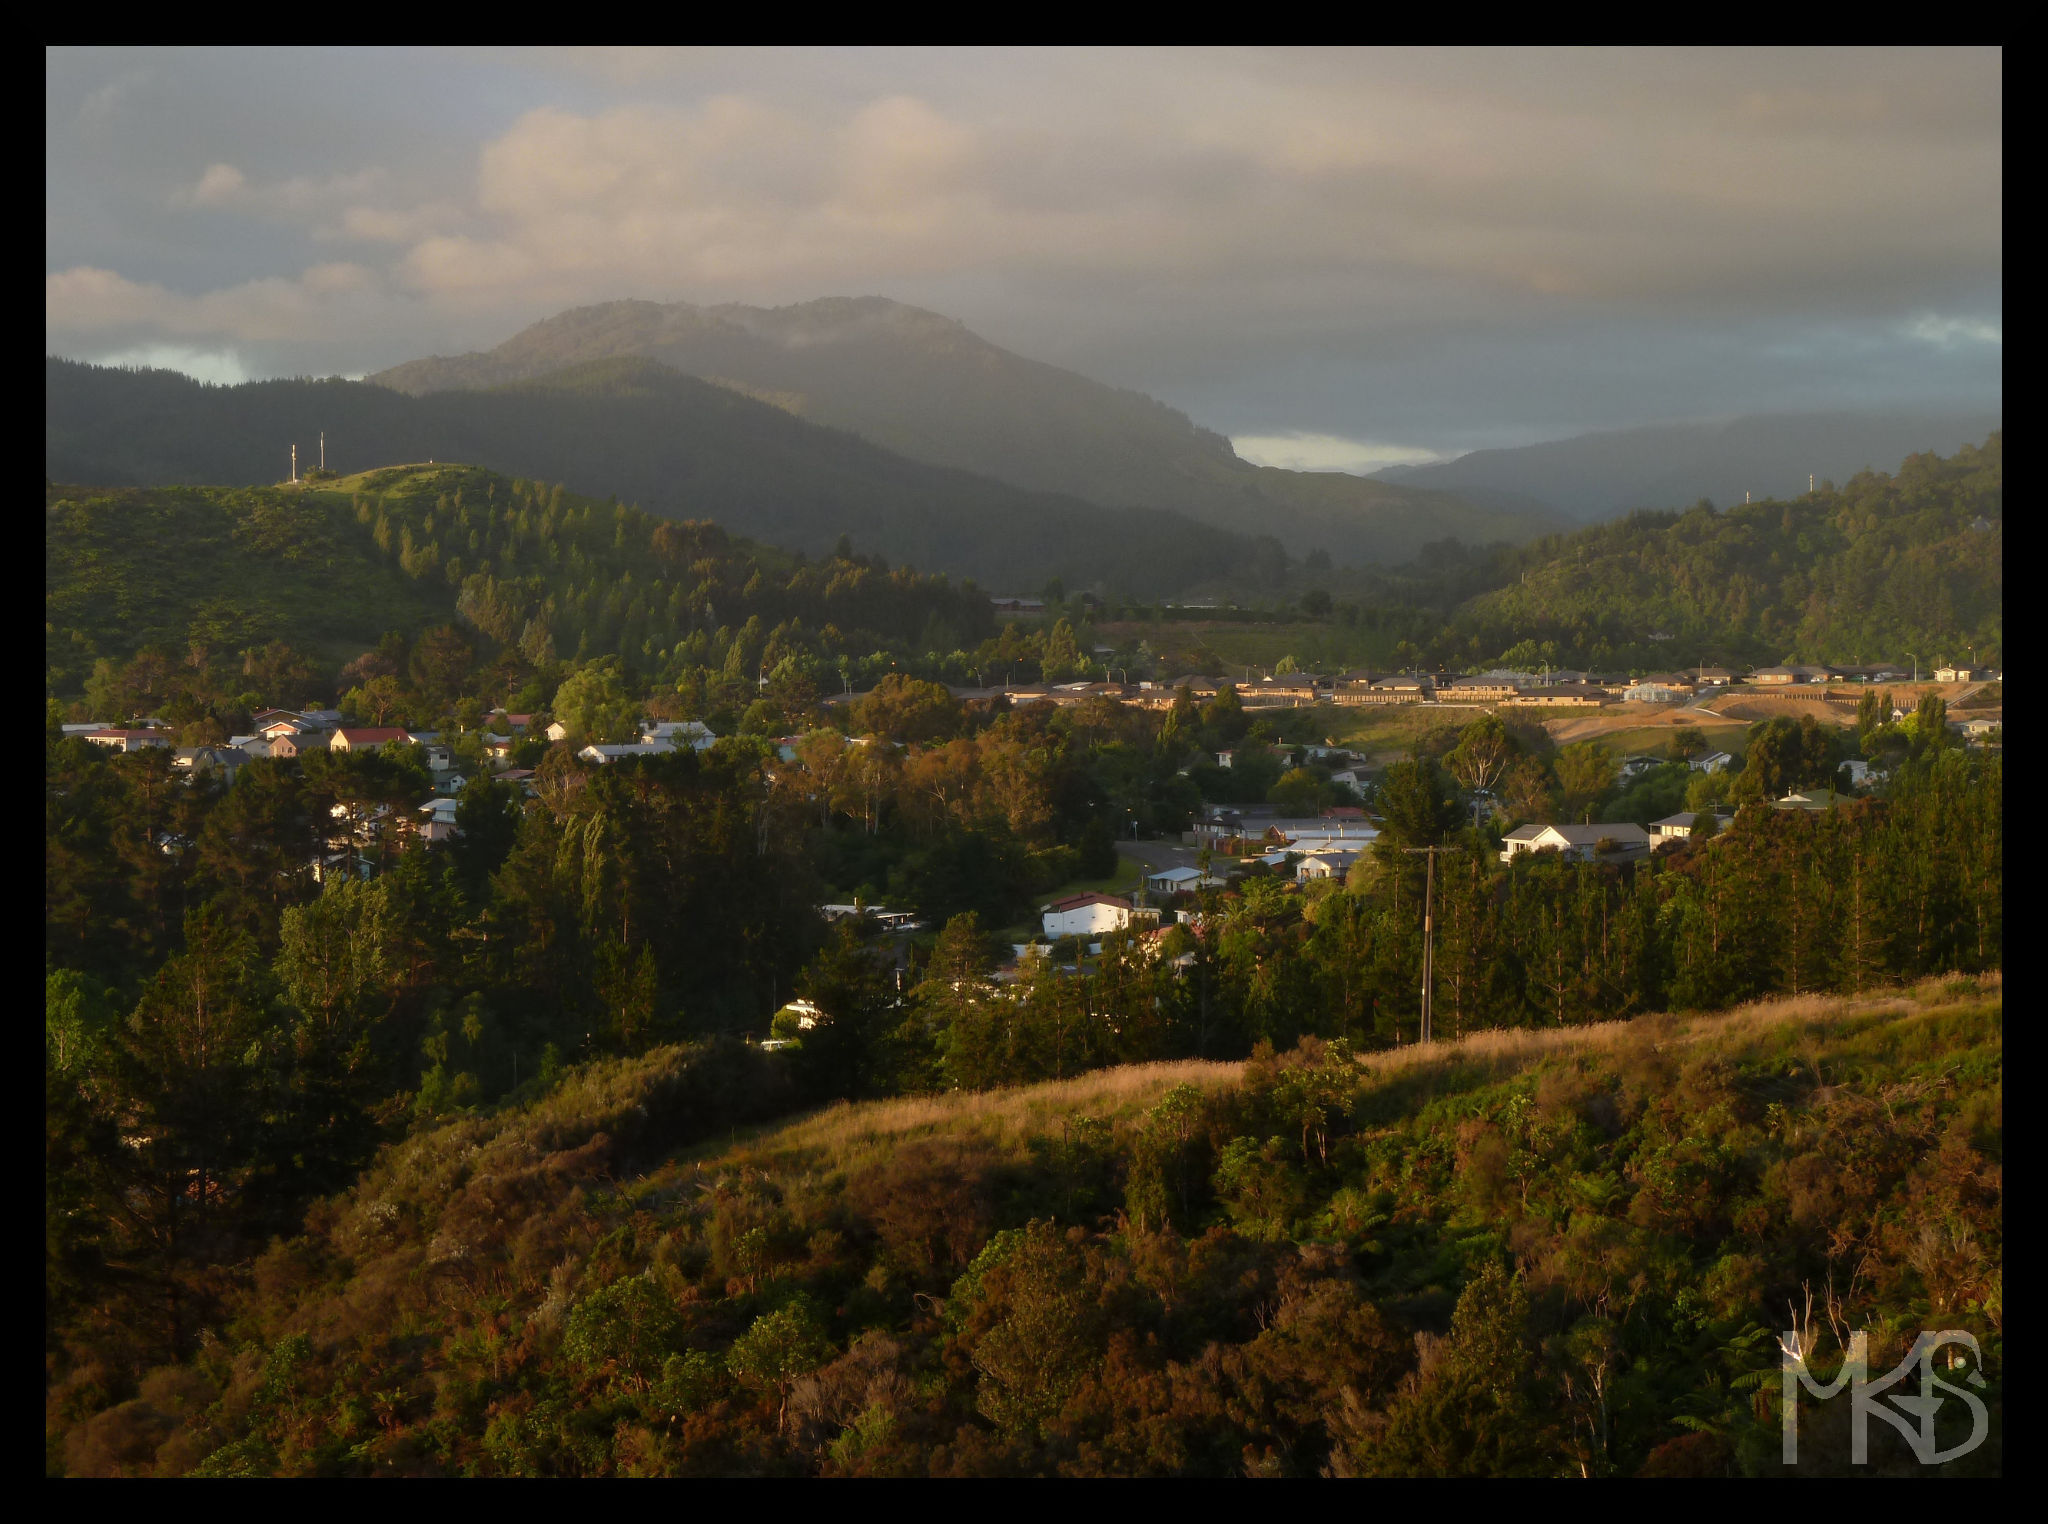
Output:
x=1090 y=915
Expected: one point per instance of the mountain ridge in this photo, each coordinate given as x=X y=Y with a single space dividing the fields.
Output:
x=926 y=387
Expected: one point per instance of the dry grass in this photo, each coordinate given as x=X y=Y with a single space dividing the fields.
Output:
x=1771 y=706
x=1505 y=1050
x=1001 y=1122
x=1001 y=1119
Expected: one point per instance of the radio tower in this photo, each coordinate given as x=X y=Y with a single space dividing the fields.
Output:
x=295 y=465
x=323 y=449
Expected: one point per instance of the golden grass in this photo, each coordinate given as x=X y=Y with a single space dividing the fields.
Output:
x=1001 y=1122
x=1514 y=1048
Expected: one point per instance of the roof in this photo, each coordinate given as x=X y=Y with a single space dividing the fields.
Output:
x=374 y=735
x=1178 y=875
x=1621 y=831
x=1685 y=818
x=1077 y=901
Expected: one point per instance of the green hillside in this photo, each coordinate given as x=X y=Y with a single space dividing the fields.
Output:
x=1871 y=570
x=211 y=572
x=1564 y=1253
x=927 y=387
x=634 y=430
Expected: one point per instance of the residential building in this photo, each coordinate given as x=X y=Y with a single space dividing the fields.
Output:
x=1325 y=865
x=1090 y=915
x=1679 y=827
x=1634 y=767
x=1476 y=690
x=557 y=731
x=1959 y=673
x=1813 y=799
x=1715 y=677
x=1560 y=696
x=369 y=738
x=224 y=760
x=297 y=744
x=606 y=754
x=1609 y=840
x=129 y=740
x=1778 y=677
x=1657 y=691
x=440 y=822
x=1712 y=762
x=1178 y=881
x=678 y=734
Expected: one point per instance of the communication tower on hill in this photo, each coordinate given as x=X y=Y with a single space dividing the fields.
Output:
x=295 y=464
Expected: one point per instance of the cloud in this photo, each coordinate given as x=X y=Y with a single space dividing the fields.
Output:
x=85 y=300
x=1945 y=333
x=222 y=367
x=1249 y=228
x=1328 y=452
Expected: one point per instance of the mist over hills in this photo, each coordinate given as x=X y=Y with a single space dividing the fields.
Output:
x=927 y=387
x=1596 y=476
x=633 y=428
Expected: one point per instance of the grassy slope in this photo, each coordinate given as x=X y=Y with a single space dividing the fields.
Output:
x=1691 y=1169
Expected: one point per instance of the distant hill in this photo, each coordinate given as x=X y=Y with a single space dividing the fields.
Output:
x=927 y=387
x=1881 y=567
x=636 y=429
x=1596 y=476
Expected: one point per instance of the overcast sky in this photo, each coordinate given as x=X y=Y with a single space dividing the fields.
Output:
x=1338 y=258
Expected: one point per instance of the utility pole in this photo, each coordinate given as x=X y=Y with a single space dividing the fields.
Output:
x=323 y=449
x=1428 y=931
x=295 y=464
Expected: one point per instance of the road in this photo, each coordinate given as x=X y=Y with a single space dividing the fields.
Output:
x=1158 y=856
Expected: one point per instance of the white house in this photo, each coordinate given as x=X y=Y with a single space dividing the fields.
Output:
x=1176 y=880
x=1326 y=865
x=1679 y=827
x=557 y=731
x=1634 y=767
x=605 y=755
x=1859 y=771
x=1090 y=915
x=694 y=734
x=1712 y=762
x=1580 y=842
x=440 y=822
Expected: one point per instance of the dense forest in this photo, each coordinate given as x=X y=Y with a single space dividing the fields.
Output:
x=680 y=447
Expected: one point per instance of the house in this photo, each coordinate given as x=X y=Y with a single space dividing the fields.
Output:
x=557 y=731
x=298 y=744
x=1679 y=827
x=129 y=740
x=1177 y=880
x=85 y=729
x=440 y=822
x=1978 y=726
x=369 y=738
x=1325 y=865
x=804 y=1013
x=1613 y=840
x=1017 y=605
x=1959 y=673
x=1712 y=762
x=1634 y=767
x=677 y=734
x=1656 y=691
x=605 y=755
x=224 y=760
x=1477 y=690
x=1813 y=799
x=1715 y=677
x=518 y=724
x=1784 y=676
x=439 y=757
x=1090 y=915
x=1561 y=696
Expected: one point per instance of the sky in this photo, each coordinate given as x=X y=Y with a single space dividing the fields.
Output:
x=1342 y=259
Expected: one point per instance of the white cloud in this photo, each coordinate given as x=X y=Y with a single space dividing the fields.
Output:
x=323 y=301
x=1945 y=333
x=220 y=184
x=221 y=366
x=1327 y=452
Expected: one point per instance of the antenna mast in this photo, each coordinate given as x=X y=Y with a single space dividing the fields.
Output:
x=323 y=449
x=295 y=464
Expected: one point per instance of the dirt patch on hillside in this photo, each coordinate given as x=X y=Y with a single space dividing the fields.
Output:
x=1588 y=727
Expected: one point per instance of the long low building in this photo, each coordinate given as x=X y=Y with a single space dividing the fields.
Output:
x=1090 y=915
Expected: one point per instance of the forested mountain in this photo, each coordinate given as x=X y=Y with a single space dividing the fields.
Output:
x=636 y=430
x=1878 y=567
x=928 y=388
x=1596 y=476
